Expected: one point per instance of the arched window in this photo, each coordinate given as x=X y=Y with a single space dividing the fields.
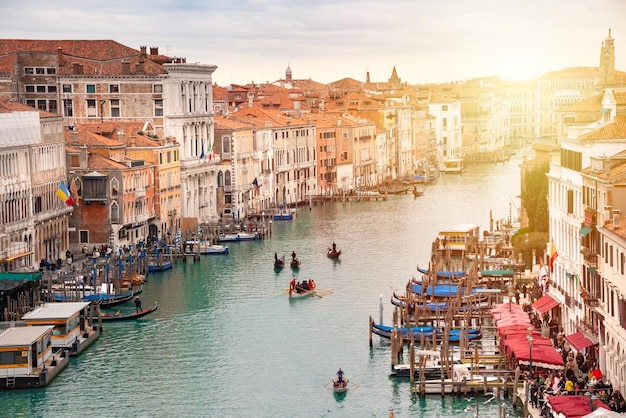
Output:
x=115 y=213
x=220 y=179
x=115 y=186
x=226 y=145
x=227 y=178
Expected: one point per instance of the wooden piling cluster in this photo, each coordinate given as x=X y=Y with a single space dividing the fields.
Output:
x=462 y=311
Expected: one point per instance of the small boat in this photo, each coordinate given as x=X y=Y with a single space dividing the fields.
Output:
x=156 y=265
x=417 y=193
x=340 y=387
x=205 y=248
x=299 y=292
x=279 y=263
x=295 y=263
x=134 y=315
x=333 y=253
x=241 y=236
x=283 y=216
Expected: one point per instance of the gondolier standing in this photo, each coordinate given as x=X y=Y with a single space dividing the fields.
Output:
x=138 y=304
x=292 y=285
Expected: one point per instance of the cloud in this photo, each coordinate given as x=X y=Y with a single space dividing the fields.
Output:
x=328 y=40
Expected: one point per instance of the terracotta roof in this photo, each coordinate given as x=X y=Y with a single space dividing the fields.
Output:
x=8 y=105
x=99 y=162
x=90 y=139
x=612 y=130
x=592 y=104
x=573 y=72
x=229 y=123
x=97 y=57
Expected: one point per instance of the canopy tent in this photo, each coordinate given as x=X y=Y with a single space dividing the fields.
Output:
x=574 y=406
x=544 y=304
x=578 y=341
x=543 y=353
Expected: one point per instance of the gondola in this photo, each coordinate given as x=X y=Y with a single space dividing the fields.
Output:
x=135 y=315
x=279 y=263
x=295 y=263
x=333 y=254
x=417 y=193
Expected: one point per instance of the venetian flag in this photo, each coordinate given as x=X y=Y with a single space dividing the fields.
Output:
x=553 y=255
x=65 y=194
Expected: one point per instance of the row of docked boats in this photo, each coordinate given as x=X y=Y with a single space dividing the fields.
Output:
x=38 y=347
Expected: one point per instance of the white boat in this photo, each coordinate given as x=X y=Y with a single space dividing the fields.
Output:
x=240 y=236
x=452 y=166
x=205 y=248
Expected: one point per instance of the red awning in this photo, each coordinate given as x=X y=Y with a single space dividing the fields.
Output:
x=578 y=341
x=545 y=304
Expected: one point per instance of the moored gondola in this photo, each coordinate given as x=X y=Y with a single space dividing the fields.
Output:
x=134 y=315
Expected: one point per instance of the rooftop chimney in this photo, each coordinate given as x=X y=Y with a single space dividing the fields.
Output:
x=77 y=68
x=143 y=50
x=154 y=50
x=60 y=56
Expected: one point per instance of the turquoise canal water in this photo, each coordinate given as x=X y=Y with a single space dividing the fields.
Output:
x=227 y=342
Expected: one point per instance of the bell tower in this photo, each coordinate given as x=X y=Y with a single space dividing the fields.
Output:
x=606 y=71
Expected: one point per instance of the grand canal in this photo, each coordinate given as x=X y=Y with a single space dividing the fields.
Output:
x=227 y=342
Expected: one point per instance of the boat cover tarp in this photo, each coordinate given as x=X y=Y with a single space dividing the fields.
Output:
x=439 y=290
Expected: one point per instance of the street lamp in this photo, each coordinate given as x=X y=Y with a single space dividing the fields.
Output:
x=510 y=298
x=530 y=339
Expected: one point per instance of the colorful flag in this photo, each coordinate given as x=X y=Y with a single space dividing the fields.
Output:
x=74 y=191
x=65 y=194
x=255 y=183
x=553 y=255
x=202 y=154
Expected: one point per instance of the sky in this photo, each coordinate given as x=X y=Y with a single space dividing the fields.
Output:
x=431 y=41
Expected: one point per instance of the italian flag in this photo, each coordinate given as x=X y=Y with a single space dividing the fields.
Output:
x=553 y=255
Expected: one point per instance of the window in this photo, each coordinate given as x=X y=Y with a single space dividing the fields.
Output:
x=91 y=108
x=115 y=185
x=158 y=107
x=115 y=213
x=30 y=103
x=67 y=88
x=444 y=108
x=52 y=106
x=40 y=71
x=29 y=70
x=41 y=104
x=41 y=89
x=114 y=88
x=52 y=89
x=84 y=236
x=29 y=89
x=38 y=204
x=51 y=71
x=157 y=88
x=570 y=201
x=68 y=109
x=91 y=88
x=115 y=108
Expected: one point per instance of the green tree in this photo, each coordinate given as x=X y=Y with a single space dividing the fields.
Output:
x=535 y=198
